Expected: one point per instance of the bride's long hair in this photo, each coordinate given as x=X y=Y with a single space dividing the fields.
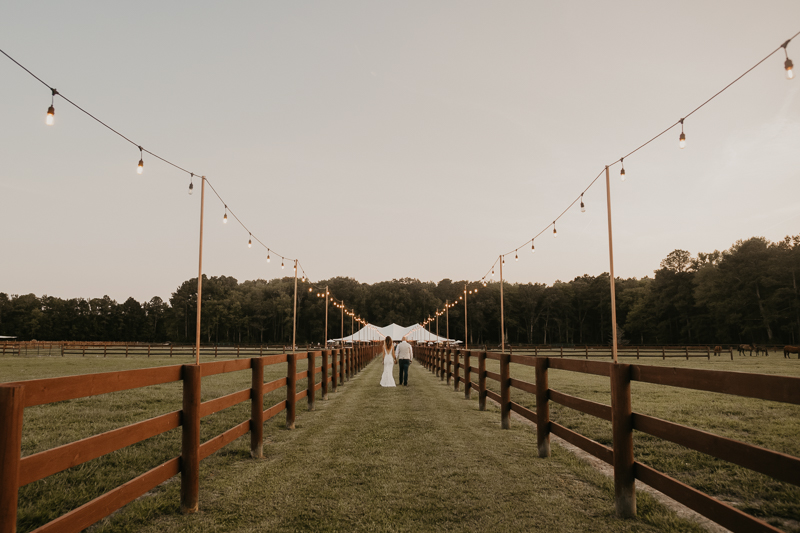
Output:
x=387 y=342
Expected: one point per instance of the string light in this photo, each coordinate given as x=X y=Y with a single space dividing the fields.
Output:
x=555 y=233
x=682 y=139
x=191 y=184
x=787 y=64
x=583 y=210
x=51 y=111
x=250 y=241
x=268 y=255
x=140 y=168
x=516 y=256
x=225 y=218
x=282 y=266
x=533 y=248
x=492 y=272
x=621 y=172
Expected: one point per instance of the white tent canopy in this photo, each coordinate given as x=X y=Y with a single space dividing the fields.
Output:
x=371 y=332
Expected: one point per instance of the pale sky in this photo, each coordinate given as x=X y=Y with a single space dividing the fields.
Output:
x=381 y=140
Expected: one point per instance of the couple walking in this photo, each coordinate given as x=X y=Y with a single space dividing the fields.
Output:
x=391 y=356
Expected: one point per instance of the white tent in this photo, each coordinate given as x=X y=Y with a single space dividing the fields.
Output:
x=371 y=332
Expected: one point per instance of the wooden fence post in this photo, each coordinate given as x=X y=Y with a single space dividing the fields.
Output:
x=311 y=380
x=449 y=371
x=291 y=389
x=482 y=381
x=467 y=375
x=542 y=407
x=325 y=354
x=12 y=407
x=505 y=391
x=342 y=366
x=190 y=439
x=334 y=368
x=455 y=369
x=257 y=409
x=622 y=427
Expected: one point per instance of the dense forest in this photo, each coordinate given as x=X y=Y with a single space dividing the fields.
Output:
x=747 y=294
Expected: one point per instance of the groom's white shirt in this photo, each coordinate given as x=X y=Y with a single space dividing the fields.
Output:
x=403 y=351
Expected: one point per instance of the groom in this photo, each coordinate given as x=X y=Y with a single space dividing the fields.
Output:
x=404 y=355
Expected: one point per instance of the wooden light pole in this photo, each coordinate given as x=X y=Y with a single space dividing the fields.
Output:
x=611 y=273
x=466 y=338
x=200 y=272
x=325 y=340
x=502 y=314
x=447 y=317
x=294 y=316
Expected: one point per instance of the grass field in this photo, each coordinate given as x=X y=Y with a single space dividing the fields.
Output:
x=774 y=426
x=48 y=426
x=771 y=425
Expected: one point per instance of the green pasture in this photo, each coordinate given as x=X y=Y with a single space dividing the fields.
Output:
x=771 y=425
x=48 y=426
x=457 y=469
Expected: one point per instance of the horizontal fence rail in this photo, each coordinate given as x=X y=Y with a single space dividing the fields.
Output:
x=468 y=369
x=337 y=366
x=129 y=349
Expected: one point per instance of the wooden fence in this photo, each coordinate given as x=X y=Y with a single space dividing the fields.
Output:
x=16 y=471
x=116 y=349
x=450 y=364
x=639 y=352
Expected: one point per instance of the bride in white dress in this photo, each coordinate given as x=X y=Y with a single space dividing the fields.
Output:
x=389 y=360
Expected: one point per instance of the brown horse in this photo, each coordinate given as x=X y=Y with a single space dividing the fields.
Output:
x=717 y=350
x=790 y=350
x=760 y=349
x=745 y=348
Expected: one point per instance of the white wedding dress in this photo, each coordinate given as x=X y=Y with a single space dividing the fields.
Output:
x=387 y=380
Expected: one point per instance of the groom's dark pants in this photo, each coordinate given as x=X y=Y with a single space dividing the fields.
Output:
x=404 y=364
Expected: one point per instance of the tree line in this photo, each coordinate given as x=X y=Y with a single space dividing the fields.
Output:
x=746 y=294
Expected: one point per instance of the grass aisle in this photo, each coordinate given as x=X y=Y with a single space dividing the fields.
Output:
x=417 y=458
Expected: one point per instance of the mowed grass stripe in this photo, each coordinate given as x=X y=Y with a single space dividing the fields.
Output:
x=417 y=458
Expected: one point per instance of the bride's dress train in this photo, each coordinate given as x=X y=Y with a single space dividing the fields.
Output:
x=387 y=380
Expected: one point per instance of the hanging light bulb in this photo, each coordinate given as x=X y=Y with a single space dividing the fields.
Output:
x=191 y=184
x=533 y=248
x=140 y=168
x=621 y=172
x=583 y=210
x=476 y=291
x=51 y=111
x=267 y=255
x=555 y=233
x=282 y=266
x=492 y=272
x=516 y=256
x=250 y=241
x=682 y=139
x=225 y=218
x=309 y=289
x=504 y=260
x=787 y=64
